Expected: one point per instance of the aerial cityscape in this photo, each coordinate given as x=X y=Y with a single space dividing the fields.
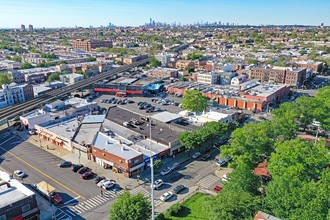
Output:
x=164 y=110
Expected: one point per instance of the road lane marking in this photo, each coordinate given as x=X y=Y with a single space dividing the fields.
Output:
x=71 y=200
x=46 y=175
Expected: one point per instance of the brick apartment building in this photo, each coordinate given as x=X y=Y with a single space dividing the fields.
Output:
x=316 y=67
x=89 y=45
x=184 y=64
x=285 y=75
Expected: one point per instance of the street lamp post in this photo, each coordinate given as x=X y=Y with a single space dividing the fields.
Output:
x=152 y=176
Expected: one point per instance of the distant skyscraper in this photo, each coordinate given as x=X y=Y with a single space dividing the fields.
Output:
x=30 y=27
x=22 y=27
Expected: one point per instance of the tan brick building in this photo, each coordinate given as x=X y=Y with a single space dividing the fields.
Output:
x=89 y=45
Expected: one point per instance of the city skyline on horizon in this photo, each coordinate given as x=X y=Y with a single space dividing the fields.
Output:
x=130 y=13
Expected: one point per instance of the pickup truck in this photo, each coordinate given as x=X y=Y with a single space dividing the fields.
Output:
x=49 y=192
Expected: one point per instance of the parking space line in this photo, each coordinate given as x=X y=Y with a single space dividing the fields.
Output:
x=46 y=175
x=71 y=200
x=71 y=212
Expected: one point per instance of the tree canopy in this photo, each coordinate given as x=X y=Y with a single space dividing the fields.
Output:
x=130 y=207
x=155 y=63
x=194 y=101
x=26 y=65
x=5 y=78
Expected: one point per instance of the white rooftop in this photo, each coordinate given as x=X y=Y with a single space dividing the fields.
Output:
x=217 y=116
x=166 y=117
x=118 y=148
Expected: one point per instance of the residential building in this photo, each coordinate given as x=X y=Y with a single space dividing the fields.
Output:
x=184 y=64
x=71 y=78
x=286 y=75
x=236 y=81
x=89 y=45
x=163 y=73
x=208 y=78
x=132 y=59
x=316 y=67
x=12 y=94
x=164 y=58
x=30 y=27
x=16 y=200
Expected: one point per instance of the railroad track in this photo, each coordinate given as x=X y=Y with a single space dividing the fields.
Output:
x=12 y=111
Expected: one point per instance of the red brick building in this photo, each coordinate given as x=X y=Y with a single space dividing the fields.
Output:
x=89 y=45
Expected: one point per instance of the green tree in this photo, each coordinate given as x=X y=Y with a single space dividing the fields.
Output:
x=157 y=164
x=155 y=63
x=242 y=179
x=90 y=59
x=16 y=58
x=194 y=101
x=26 y=65
x=250 y=144
x=228 y=205
x=322 y=108
x=53 y=77
x=299 y=159
x=130 y=207
x=195 y=56
x=5 y=78
x=189 y=140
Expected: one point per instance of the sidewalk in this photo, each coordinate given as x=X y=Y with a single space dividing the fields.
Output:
x=65 y=155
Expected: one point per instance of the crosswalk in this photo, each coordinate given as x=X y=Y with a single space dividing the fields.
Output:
x=208 y=181
x=94 y=202
x=145 y=193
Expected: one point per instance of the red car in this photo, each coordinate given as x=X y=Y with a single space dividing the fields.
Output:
x=87 y=175
x=217 y=188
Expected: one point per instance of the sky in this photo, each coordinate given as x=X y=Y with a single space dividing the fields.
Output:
x=85 y=13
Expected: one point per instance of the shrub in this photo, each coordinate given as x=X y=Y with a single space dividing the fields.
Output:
x=175 y=209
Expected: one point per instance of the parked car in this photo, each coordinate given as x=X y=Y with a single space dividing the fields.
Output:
x=108 y=184
x=158 y=183
x=83 y=170
x=65 y=164
x=195 y=155
x=224 y=178
x=87 y=175
x=178 y=188
x=176 y=166
x=100 y=184
x=167 y=170
x=217 y=188
x=222 y=161
x=166 y=196
x=206 y=156
x=76 y=167
x=19 y=173
x=97 y=179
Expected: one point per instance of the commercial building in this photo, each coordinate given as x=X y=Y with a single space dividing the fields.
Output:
x=208 y=78
x=89 y=45
x=30 y=27
x=16 y=200
x=115 y=154
x=71 y=78
x=184 y=64
x=22 y=27
x=29 y=120
x=164 y=58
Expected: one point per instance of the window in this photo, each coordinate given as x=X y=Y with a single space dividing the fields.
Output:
x=26 y=208
x=136 y=161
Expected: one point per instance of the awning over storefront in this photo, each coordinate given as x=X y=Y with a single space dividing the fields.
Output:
x=58 y=140
x=137 y=167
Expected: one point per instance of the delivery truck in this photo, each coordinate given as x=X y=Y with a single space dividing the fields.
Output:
x=48 y=191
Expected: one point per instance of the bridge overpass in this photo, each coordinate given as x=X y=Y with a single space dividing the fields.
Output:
x=12 y=111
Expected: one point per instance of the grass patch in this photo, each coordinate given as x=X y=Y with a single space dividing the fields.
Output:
x=192 y=209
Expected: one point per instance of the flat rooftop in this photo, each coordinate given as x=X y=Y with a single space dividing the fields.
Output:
x=106 y=143
x=161 y=132
x=65 y=127
x=15 y=192
x=265 y=90
x=34 y=114
x=86 y=133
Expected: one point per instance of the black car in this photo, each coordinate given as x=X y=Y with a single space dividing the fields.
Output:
x=206 y=156
x=83 y=170
x=65 y=164
x=178 y=189
x=98 y=179
x=76 y=167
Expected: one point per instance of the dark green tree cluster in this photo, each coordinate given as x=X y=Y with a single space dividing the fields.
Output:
x=130 y=207
x=5 y=78
x=195 y=56
x=299 y=184
x=90 y=59
x=155 y=63
x=46 y=64
x=48 y=56
x=194 y=101
x=26 y=65
x=206 y=135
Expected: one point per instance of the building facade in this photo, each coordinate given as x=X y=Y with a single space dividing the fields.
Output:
x=89 y=45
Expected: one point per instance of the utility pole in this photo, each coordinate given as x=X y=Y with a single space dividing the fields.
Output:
x=152 y=176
